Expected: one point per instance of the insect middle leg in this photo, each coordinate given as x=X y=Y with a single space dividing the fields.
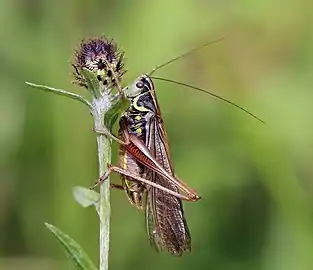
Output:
x=108 y=134
x=116 y=186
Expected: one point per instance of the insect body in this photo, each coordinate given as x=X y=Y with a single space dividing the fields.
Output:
x=166 y=224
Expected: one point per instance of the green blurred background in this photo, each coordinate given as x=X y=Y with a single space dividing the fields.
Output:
x=255 y=180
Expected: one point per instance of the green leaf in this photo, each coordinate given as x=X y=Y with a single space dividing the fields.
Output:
x=60 y=92
x=86 y=197
x=73 y=250
x=92 y=81
x=119 y=105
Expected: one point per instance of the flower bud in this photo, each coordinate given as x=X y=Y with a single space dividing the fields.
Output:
x=102 y=57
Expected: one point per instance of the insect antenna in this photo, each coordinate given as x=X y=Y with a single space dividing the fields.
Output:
x=211 y=94
x=183 y=55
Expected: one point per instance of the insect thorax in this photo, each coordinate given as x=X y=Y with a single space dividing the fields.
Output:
x=138 y=115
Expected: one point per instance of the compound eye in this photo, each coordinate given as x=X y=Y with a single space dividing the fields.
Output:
x=139 y=85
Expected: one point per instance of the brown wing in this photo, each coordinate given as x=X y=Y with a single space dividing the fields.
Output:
x=154 y=236
x=171 y=229
x=161 y=128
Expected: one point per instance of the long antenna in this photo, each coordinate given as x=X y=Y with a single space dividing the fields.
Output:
x=183 y=55
x=211 y=94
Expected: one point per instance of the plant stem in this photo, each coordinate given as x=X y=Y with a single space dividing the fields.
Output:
x=100 y=107
x=104 y=155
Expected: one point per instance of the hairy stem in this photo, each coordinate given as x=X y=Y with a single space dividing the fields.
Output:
x=104 y=156
x=100 y=107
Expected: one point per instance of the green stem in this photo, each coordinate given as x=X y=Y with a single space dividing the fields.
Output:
x=104 y=155
x=100 y=108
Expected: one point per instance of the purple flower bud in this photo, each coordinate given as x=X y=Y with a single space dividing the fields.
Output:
x=102 y=57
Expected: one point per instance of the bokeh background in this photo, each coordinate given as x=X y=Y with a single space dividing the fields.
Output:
x=255 y=179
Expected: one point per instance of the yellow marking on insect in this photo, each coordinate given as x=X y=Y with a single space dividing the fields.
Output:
x=139 y=108
x=125 y=161
x=126 y=182
x=139 y=130
x=101 y=72
x=138 y=117
x=127 y=185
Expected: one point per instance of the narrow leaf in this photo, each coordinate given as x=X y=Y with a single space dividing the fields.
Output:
x=73 y=250
x=119 y=105
x=92 y=82
x=61 y=92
